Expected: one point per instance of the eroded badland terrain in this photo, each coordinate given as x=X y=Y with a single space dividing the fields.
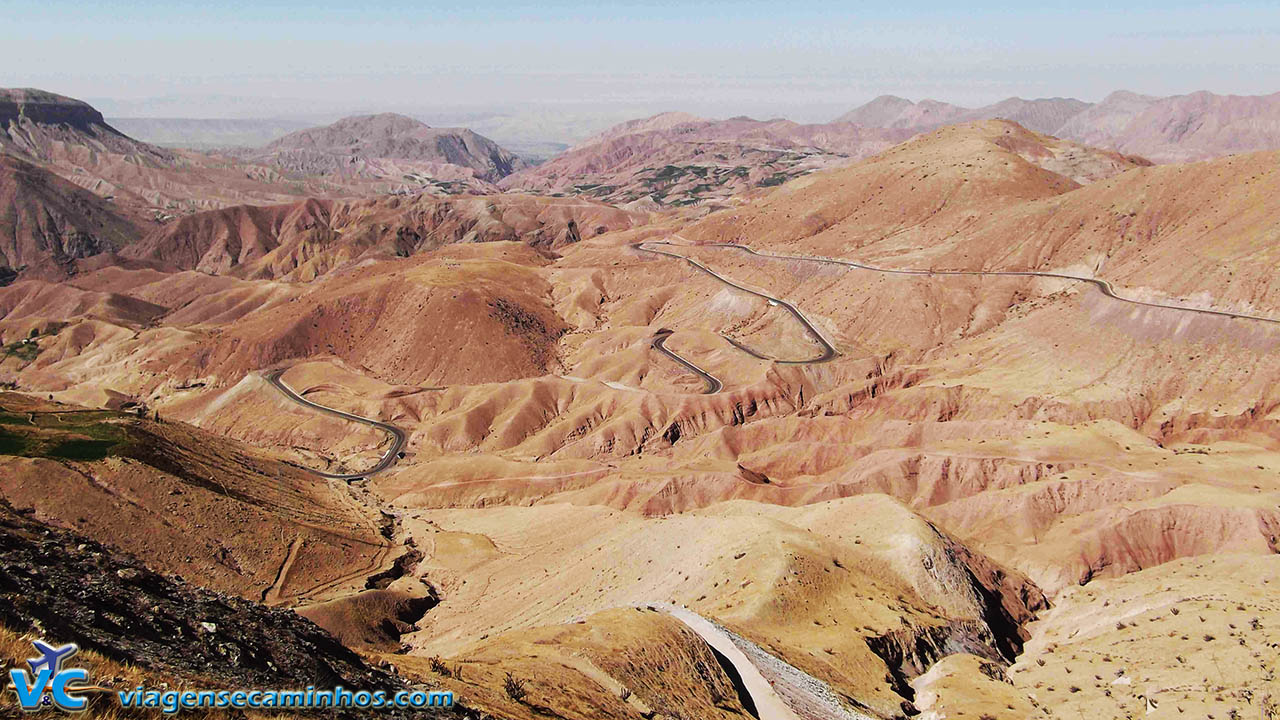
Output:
x=985 y=424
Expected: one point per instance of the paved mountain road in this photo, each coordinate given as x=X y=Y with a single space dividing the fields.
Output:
x=1102 y=285
x=713 y=383
x=828 y=350
x=398 y=436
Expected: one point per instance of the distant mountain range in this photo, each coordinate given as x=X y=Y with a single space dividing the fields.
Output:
x=1196 y=126
x=1180 y=128
x=62 y=146
x=675 y=158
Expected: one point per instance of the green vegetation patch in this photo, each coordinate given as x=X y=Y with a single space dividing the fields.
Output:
x=87 y=450
x=12 y=443
x=12 y=418
x=25 y=351
x=87 y=435
x=669 y=172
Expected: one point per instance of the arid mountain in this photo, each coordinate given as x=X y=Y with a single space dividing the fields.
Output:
x=70 y=139
x=359 y=145
x=882 y=112
x=303 y=240
x=661 y=121
x=678 y=160
x=675 y=159
x=154 y=185
x=46 y=222
x=1181 y=128
x=985 y=424
x=41 y=126
x=1044 y=115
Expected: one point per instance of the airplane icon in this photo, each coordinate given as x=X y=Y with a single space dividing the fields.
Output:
x=51 y=657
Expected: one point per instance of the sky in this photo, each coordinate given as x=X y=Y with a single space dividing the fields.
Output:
x=808 y=61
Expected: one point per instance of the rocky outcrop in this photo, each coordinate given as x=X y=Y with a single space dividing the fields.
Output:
x=1005 y=600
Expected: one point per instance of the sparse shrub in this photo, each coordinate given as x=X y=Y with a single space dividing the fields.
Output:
x=514 y=687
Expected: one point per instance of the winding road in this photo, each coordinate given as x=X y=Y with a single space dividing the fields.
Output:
x=1102 y=285
x=828 y=350
x=713 y=383
x=398 y=436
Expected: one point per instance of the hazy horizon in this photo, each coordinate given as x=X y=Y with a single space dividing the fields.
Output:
x=808 y=63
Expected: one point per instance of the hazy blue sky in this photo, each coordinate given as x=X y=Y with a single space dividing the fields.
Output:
x=805 y=60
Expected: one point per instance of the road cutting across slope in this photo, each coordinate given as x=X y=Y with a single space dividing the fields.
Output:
x=1102 y=285
x=398 y=436
x=829 y=351
x=767 y=704
x=713 y=383
x=791 y=694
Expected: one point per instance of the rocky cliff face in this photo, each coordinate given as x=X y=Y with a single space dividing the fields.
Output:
x=47 y=108
x=34 y=122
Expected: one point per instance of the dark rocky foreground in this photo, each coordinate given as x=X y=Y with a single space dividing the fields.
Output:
x=72 y=589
